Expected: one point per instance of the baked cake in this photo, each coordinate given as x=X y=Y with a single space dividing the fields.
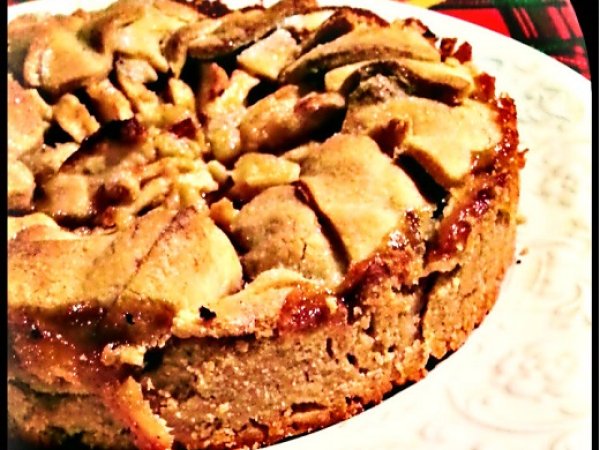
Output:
x=231 y=227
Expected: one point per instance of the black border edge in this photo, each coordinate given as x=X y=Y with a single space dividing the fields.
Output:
x=3 y=198
x=584 y=9
x=588 y=17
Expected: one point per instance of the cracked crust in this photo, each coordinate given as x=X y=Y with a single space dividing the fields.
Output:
x=387 y=345
x=199 y=250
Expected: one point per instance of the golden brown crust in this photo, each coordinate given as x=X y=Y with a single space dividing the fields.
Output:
x=198 y=279
x=415 y=324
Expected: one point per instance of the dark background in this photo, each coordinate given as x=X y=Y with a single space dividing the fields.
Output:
x=587 y=15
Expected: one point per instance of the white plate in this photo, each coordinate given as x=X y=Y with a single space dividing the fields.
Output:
x=523 y=379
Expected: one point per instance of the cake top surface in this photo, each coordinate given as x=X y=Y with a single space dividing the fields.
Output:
x=164 y=158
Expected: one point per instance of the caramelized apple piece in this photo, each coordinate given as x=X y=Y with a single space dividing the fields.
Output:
x=59 y=58
x=192 y=264
x=302 y=24
x=359 y=45
x=74 y=117
x=285 y=118
x=255 y=172
x=223 y=213
x=277 y=229
x=342 y=21
x=353 y=167
x=268 y=57
x=27 y=119
x=132 y=75
x=138 y=28
x=21 y=185
x=110 y=103
x=210 y=39
x=253 y=310
x=68 y=196
x=224 y=114
x=48 y=160
x=436 y=80
x=443 y=139
x=17 y=224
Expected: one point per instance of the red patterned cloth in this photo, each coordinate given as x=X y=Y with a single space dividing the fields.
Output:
x=550 y=26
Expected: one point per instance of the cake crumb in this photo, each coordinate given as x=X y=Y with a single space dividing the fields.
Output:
x=223 y=408
x=332 y=304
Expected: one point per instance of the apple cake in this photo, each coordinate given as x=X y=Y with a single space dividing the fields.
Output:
x=226 y=228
